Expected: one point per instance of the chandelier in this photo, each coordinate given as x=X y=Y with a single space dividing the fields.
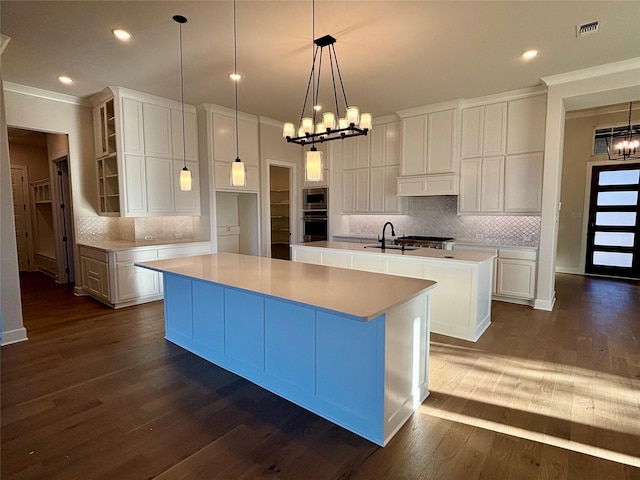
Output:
x=311 y=129
x=624 y=144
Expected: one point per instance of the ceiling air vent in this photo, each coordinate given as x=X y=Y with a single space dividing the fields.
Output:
x=587 y=29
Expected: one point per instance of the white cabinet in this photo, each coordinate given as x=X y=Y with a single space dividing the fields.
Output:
x=428 y=144
x=111 y=276
x=370 y=167
x=516 y=273
x=500 y=169
x=221 y=129
x=428 y=165
x=142 y=138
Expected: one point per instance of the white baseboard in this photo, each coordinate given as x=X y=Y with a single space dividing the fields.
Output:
x=545 y=304
x=14 y=336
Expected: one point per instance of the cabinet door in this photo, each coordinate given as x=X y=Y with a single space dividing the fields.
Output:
x=378 y=150
x=135 y=185
x=494 y=129
x=135 y=282
x=132 y=135
x=348 y=191
x=376 y=189
x=248 y=142
x=523 y=183
x=471 y=136
x=95 y=278
x=526 y=124
x=99 y=137
x=414 y=131
x=393 y=147
x=159 y=175
x=224 y=140
x=191 y=132
x=441 y=126
x=516 y=278
x=348 y=154
x=363 y=151
x=362 y=190
x=469 y=199
x=157 y=130
x=186 y=203
x=491 y=182
x=392 y=203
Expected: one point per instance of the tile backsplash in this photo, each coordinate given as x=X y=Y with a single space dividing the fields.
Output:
x=134 y=229
x=437 y=216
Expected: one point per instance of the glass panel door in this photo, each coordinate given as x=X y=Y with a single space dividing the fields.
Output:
x=613 y=237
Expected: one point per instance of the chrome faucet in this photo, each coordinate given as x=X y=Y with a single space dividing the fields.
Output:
x=393 y=233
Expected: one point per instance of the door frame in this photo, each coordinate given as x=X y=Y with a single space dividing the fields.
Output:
x=587 y=203
x=293 y=204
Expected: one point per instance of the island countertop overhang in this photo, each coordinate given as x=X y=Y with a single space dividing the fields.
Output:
x=362 y=295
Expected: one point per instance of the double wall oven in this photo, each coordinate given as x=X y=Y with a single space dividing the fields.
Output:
x=315 y=219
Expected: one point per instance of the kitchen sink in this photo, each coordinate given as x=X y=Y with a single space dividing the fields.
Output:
x=392 y=247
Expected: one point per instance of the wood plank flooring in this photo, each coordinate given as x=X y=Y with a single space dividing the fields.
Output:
x=98 y=393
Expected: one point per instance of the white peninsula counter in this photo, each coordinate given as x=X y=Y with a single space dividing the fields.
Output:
x=461 y=305
x=351 y=346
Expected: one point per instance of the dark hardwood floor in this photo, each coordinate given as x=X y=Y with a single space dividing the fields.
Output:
x=98 y=393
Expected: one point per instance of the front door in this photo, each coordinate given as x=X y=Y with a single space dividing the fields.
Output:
x=613 y=235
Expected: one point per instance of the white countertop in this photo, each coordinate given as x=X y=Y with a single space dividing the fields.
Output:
x=467 y=256
x=115 y=245
x=361 y=294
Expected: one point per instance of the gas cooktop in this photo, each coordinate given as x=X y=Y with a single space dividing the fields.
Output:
x=425 y=239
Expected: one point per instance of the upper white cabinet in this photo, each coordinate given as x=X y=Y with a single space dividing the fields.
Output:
x=221 y=133
x=370 y=165
x=501 y=150
x=429 y=164
x=138 y=150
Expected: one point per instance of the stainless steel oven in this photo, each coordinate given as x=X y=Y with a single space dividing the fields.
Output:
x=314 y=224
x=315 y=199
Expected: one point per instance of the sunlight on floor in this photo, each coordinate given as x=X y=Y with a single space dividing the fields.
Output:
x=551 y=402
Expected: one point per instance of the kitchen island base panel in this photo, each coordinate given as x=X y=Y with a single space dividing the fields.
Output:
x=368 y=377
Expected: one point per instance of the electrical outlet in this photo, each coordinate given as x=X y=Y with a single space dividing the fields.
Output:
x=479 y=236
x=178 y=235
x=148 y=237
x=526 y=238
x=358 y=232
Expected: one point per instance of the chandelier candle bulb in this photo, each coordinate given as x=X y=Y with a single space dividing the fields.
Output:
x=307 y=125
x=365 y=121
x=301 y=132
x=238 y=177
x=353 y=115
x=329 y=120
x=342 y=123
x=288 y=130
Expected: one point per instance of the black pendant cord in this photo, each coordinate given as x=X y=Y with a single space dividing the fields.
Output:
x=180 y=20
x=313 y=68
x=235 y=71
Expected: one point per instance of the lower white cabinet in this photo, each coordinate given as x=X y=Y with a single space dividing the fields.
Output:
x=516 y=274
x=110 y=275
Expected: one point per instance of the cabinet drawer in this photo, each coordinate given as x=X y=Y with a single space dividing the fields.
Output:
x=136 y=255
x=93 y=253
x=517 y=254
x=182 y=251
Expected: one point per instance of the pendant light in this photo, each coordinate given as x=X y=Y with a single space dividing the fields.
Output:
x=332 y=126
x=238 y=173
x=624 y=144
x=185 y=174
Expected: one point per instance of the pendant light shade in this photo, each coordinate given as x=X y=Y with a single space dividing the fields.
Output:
x=185 y=174
x=238 y=172
x=313 y=165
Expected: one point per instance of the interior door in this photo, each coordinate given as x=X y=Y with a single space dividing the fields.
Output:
x=613 y=235
x=22 y=217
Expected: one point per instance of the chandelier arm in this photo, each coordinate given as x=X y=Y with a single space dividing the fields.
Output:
x=344 y=94
x=317 y=89
x=309 y=83
x=333 y=80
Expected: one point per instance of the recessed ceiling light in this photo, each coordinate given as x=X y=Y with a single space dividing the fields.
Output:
x=65 y=79
x=121 y=34
x=235 y=76
x=529 y=54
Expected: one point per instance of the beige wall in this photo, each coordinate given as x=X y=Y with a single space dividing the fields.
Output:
x=33 y=157
x=578 y=148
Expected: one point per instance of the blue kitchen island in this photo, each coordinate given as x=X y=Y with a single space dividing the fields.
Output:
x=350 y=346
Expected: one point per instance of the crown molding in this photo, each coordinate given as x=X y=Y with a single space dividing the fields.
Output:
x=591 y=72
x=46 y=94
